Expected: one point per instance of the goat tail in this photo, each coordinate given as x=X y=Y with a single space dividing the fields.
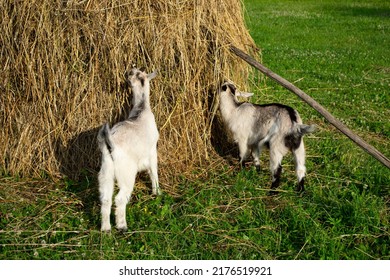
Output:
x=293 y=139
x=104 y=140
x=306 y=129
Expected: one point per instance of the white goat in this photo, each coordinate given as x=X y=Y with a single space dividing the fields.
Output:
x=276 y=126
x=127 y=148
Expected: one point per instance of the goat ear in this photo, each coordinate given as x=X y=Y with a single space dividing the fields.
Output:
x=244 y=94
x=152 y=75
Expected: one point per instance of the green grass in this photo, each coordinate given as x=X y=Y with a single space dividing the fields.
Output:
x=337 y=53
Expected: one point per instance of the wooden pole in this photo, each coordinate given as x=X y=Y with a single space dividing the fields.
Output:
x=316 y=106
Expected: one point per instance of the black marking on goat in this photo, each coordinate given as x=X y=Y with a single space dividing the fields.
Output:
x=141 y=78
x=230 y=86
x=276 y=177
x=105 y=135
x=224 y=87
x=291 y=112
x=293 y=140
x=301 y=185
x=137 y=110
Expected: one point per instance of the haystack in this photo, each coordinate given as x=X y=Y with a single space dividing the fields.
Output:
x=62 y=77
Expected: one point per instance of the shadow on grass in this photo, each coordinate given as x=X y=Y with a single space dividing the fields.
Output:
x=79 y=162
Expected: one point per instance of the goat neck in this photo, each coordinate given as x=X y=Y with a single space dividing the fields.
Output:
x=228 y=103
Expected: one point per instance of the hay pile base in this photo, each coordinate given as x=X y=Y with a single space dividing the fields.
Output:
x=62 y=77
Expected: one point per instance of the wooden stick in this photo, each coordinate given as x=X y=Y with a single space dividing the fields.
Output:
x=316 y=106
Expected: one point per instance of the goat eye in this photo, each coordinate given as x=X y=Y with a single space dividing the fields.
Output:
x=232 y=88
x=224 y=88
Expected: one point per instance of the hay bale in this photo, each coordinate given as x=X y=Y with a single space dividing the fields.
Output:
x=62 y=76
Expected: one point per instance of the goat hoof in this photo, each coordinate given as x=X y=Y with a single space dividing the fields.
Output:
x=106 y=229
x=299 y=190
x=258 y=168
x=272 y=193
x=122 y=229
x=300 y=187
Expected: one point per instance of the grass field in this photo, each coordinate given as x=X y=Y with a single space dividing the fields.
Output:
x=335 y=51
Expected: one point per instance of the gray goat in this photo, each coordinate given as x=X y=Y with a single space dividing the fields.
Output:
x=128 y=147
x=276 y=126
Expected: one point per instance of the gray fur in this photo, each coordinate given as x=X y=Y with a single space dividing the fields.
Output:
x=276 y=126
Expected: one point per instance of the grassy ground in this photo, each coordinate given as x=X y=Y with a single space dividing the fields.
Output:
x=337 y=53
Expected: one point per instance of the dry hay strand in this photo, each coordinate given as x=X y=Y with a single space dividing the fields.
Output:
x=62 y=77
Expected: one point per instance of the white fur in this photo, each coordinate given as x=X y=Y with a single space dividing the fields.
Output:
x=133 y=145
